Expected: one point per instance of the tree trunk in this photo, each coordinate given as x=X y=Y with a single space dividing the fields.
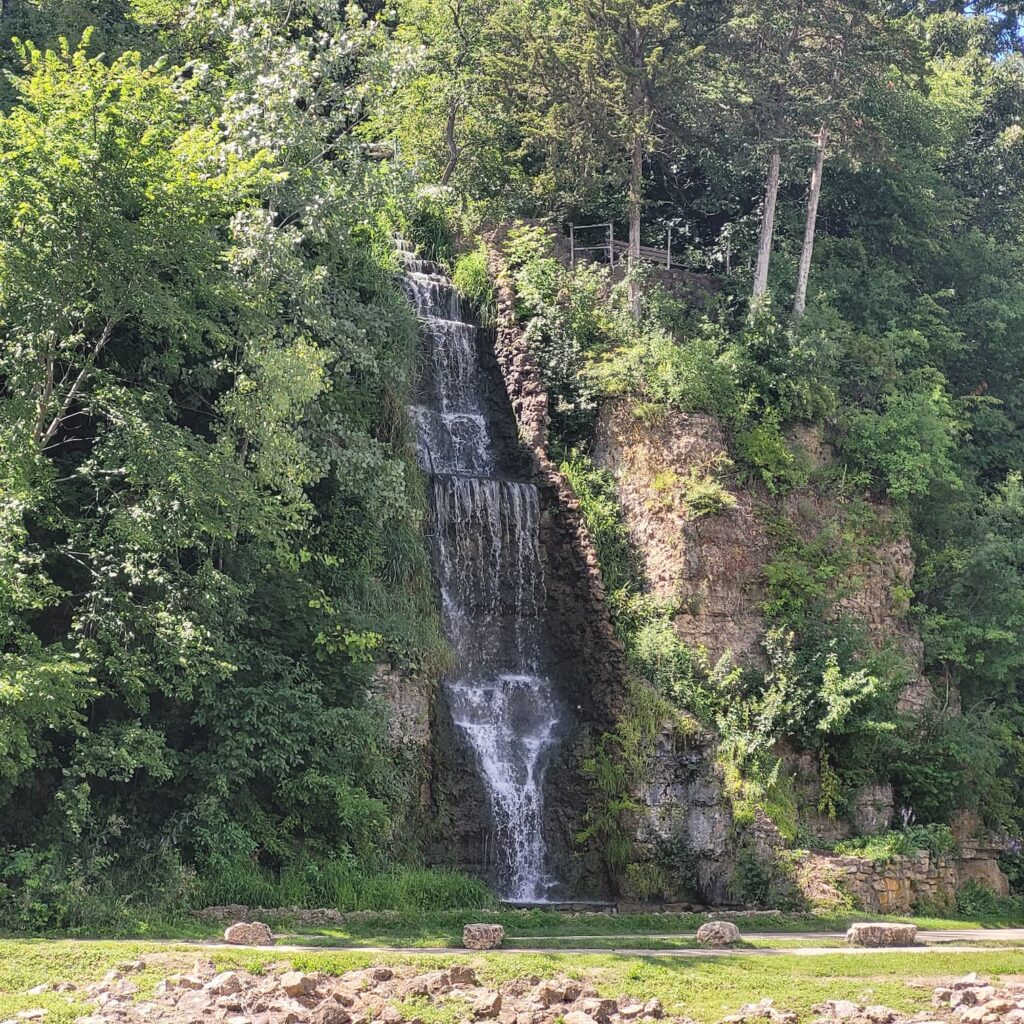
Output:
x=764 y=246
x=449 y=138
x=800 y=299
x=636 y=184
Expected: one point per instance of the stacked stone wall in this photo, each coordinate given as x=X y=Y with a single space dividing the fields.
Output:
x=900 y=885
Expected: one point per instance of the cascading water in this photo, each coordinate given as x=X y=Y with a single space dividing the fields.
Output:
x=487 y=561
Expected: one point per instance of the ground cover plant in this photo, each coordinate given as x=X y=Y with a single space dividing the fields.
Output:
x=703 y=989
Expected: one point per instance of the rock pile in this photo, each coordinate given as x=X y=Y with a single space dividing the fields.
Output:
x=358 y=997
x=974 y=1001
x=381 y=995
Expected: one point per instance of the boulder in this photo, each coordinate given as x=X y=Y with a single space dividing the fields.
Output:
x=578 y=1017
x=488 y=1005
x=461 y=974
x=483 y=936
x=548 y=993
x=249 y=933
x=224 y=984
x=295 y=983
x=878 y=934
x=718 y=933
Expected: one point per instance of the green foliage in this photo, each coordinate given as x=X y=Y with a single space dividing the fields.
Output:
x=344 y=885
x=210 y=527
x=936 y=839
x=472 y=279
x=973 y=900
x=644 y=881
x=92 y=891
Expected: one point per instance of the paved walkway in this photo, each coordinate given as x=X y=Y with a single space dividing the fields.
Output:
x=945 y=941
x=930 y=936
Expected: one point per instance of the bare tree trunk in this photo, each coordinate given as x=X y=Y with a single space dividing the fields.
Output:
x=800 y=299
x=636 y=184
x=449 y=138
x=764 y=245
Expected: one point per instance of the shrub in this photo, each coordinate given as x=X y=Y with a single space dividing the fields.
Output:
x=472 y=280
x=936 y=839
x=644 y=881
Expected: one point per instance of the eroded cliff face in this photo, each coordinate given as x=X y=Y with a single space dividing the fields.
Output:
x=713 y=567
x=715 y=564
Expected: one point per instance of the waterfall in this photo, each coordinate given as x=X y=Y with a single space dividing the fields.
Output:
x=486 y=551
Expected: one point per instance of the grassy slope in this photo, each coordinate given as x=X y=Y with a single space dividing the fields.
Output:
x=704 y=989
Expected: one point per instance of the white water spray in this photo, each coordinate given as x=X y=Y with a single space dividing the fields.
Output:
x=489 y=571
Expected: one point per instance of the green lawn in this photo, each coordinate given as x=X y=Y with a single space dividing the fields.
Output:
x=704 y=989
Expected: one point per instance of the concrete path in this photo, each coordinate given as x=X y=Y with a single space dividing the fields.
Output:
x=944 y=941
x=930 y=936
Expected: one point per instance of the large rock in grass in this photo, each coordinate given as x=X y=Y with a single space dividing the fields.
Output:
x=249 y=933
x=718 y=933
x=483 y=936
x=881 y=934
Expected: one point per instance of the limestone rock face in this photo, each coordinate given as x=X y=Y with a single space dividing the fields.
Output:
x=718 y=933
x=249 y=933
x=483 y=936
x=875 y=934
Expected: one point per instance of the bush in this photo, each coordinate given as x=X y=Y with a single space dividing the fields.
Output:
x=976 y=900
x=472 y=280
x=644 y=881
x=936 y=839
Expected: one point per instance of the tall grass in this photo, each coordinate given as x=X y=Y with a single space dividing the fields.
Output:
x=344 y=887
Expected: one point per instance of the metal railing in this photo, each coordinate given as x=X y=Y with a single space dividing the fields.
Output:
x=614 y=248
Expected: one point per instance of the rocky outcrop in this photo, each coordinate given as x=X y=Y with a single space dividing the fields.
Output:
x=408 y=699
x=712 y=567
x=714 y=564
x=682 y=800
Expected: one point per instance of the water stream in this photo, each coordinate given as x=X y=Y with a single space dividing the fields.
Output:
x=486 y=550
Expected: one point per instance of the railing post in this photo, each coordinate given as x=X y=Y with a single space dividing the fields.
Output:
x=668 y=251
x=572 y=245
x=611 y=244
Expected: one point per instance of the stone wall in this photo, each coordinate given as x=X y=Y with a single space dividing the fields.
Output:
x=900 y=885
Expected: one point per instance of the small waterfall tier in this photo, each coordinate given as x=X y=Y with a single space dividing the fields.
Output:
x=485 y=531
